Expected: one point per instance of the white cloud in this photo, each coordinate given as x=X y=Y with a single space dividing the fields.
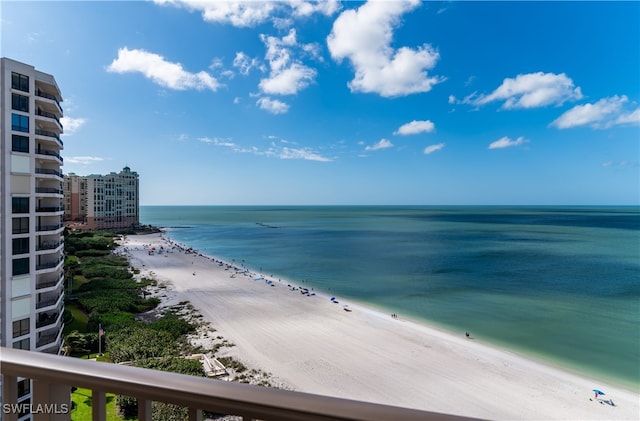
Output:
x=529 y=91
x=506 y=142
x=364 y=36
x=630 y=118
x=415 y=127
x=287 y=75
x=620 y=164
x=162 y=72
x=433 y=148
x=249 y=13
x=604 y=113
x=84 y=160
x=306 y=154
x=217 y=141
x=288 y=81
x=273 y=151
x=382 y=144
x=71 y=125
x=245 y=64
x=274 y=106
x=308 y=8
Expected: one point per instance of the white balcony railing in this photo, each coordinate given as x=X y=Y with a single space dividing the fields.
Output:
x=54 y=375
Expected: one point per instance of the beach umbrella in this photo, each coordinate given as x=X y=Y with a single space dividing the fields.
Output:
x=332 y=298
x=598 y=392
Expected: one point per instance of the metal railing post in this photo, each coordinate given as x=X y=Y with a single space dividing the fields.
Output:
x=9 y=396
x=51 y=402
x=144 y=410
x=195 y=414
x=98 y=405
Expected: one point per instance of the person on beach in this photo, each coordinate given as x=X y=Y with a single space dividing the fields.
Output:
x=467 y=333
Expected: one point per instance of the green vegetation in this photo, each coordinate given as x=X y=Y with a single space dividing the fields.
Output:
x=104 y=293
x=75 y=319
x=81 y=406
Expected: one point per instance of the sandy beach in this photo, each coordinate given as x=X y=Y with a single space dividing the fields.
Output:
x=311 y=344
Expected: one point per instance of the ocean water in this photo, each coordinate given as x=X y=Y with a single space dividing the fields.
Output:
x=561 y=284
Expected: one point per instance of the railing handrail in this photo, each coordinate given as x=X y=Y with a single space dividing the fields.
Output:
x=199 y=392
x=48 y=190
x=49 y=171
x=41 y=228
x=48 y=152
x=49 y=245
x=47 y=114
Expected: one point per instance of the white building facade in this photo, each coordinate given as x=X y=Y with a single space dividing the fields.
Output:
x=31 y=228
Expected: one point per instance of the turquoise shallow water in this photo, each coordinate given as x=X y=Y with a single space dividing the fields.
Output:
x=558 y=283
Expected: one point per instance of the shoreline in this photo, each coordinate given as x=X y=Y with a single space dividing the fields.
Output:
x=312 y=345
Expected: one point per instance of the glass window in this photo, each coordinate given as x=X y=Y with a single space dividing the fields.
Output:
x=20 y=123
x=20 y=102
x=20 y=266
x=23 y=344
x=20 y=245
x=20 y=143
x=20 y=327
x=20 y=204
x=24 y=387
x=20 y=82
x=20 y=226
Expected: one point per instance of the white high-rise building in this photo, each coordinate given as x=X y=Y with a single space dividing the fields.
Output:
x=31 y=229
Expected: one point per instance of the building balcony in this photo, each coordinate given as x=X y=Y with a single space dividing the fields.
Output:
x=49 y=209
x=50 y=265
x=45 y=319
x=48 y=337
x=49 y=134
x=51 y=300
x=51 y=118
x=49 y=282
x=54 y=227
x=50 y=154
x=51 y=98
x=51 y=190
x=49 y=245
x=48 y=171
x=55 y=375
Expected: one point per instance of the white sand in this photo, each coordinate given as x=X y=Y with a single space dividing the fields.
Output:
x=313 y=345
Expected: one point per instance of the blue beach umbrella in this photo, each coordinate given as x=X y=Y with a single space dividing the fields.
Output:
x=598 y=392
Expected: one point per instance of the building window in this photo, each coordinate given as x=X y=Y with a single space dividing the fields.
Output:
x=24 y=387
x=20 y=266
x=20 y=226
x=20 y=102
x=20 y=245
x=20 y=327
x=20 y=204
x=20 y=143
x=23 y=344
x=20 y=123
x=20 y=82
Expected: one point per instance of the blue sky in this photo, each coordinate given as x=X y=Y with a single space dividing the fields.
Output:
x=386 y=102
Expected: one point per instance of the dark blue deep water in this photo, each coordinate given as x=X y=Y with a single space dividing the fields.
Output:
x=558 y=283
